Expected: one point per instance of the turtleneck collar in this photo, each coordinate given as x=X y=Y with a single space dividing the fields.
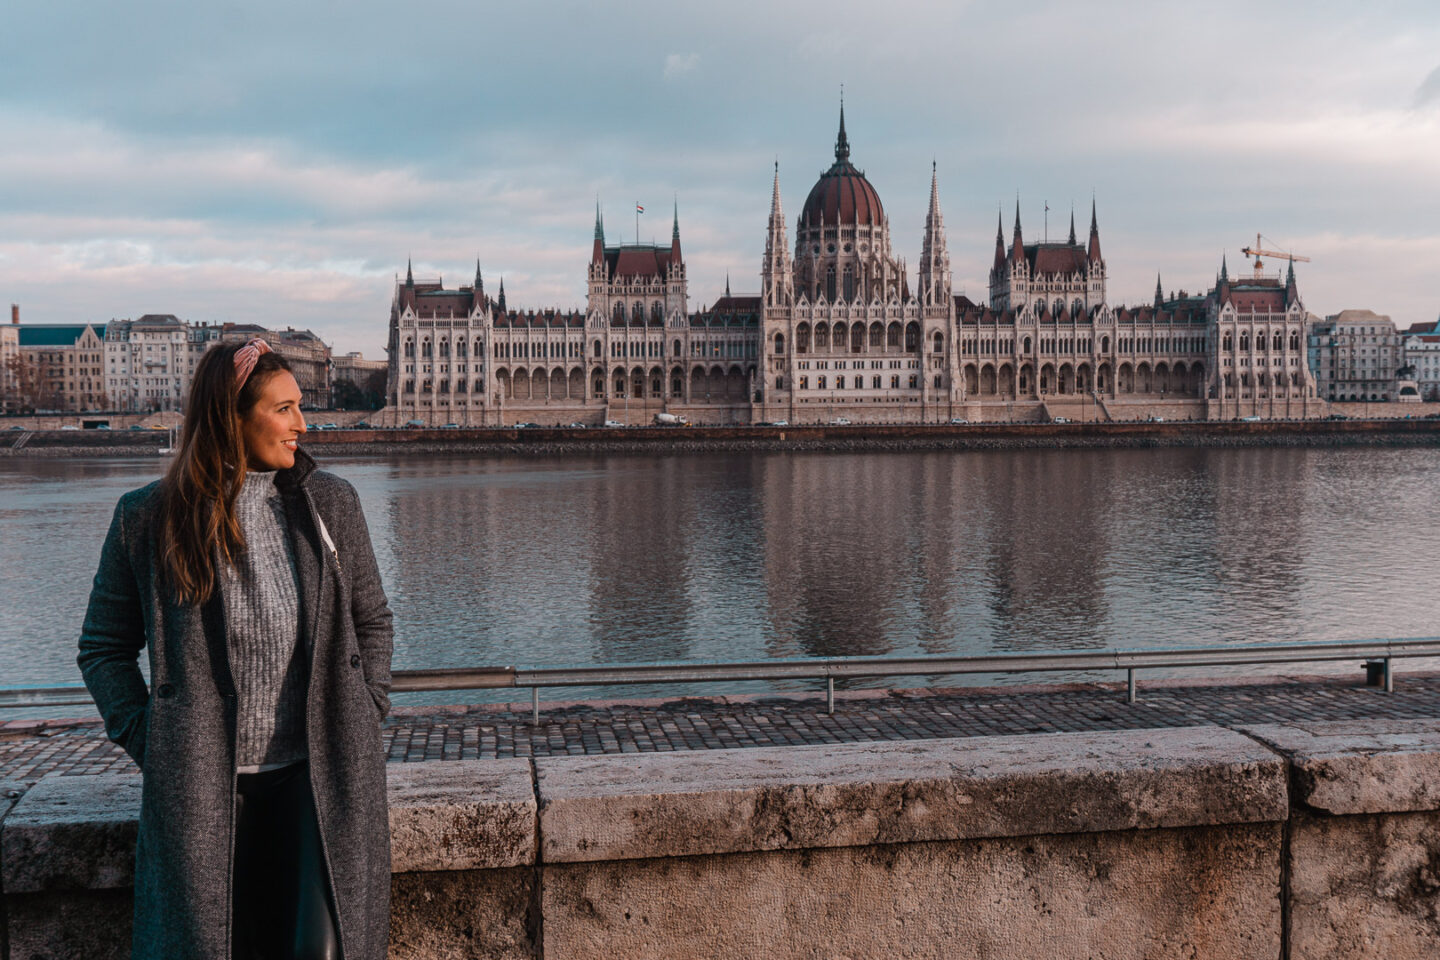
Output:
x=259 y=486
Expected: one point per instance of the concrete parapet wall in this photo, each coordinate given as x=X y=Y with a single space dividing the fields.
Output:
x=1318 y=840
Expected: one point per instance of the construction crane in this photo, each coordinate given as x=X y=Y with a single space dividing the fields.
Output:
x=1257 y=252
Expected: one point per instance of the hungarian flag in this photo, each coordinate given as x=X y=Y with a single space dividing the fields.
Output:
x=639 y=209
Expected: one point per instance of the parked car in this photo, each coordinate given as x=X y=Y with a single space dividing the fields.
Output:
x=449 y=426
x=781 y=423
x=576 y=426
x=69 y=426
x=839 y=422
x=133 y=426
x=415 y=423
x=613 y=423
x=526 y=425
x=361 y=425
x=1249 y=419
x=669 y=420
x=1063 y=419
x=958 y=420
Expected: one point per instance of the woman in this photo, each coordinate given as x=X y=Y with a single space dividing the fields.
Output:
x=249 y=576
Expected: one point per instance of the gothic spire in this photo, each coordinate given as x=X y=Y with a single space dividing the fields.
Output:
x=775 y=271
x=500 y=300
x=842 y=142
x=409 y=274
x=1159 y=293
x=1224 y=270
x=675 y=235
x=479 y=280
x=934 y=258
x=1072 y=226
x=1094 y=233
x=597 y=253
x=1017 y=248
x=727 y=283
x=999 y=238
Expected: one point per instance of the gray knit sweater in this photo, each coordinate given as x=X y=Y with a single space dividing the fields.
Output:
x=262 y=620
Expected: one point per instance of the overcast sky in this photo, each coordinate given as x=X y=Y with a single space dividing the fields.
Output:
x=277 y=163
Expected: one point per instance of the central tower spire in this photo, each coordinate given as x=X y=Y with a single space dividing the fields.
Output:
x=842 y=142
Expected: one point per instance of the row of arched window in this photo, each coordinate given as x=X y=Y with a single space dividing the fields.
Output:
x=1276 y=340
x=857 y=337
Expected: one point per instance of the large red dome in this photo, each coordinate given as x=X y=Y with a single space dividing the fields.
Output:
x=842 y=195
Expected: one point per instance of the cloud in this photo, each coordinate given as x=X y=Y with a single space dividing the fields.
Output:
x=1429 y=90
x=677 y=64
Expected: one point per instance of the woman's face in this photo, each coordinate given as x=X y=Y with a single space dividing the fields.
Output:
x=273 y=426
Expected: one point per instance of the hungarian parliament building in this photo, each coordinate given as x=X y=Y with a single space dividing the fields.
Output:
x=842 y=331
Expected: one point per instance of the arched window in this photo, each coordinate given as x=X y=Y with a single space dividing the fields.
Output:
x=939 y=343
x=596 y=347
x=410 y=348
x=617 y=315
x=1227 y=343
x=1059 y=306
x=892 y=335
x=779 y=343
x=444 y=348
x=637 y=313
x=1294 y=341
x=1077 y=307
x=657 y=312
x=1026 y=347
x=802 y=338
x=1244 y=341
x=779 y=383
x=425 y=348
x=675 y=349
x=1279 y=341
x=857 y=337
x=830 y=282
x=1104 y=344
x=849 y=283
x=877 y=334
x=912 y=337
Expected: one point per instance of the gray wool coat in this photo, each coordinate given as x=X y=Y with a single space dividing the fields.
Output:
x=181 y=730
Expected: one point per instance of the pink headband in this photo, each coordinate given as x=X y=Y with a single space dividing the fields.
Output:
x=246 y=358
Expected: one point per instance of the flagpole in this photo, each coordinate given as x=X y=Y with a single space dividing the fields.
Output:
x=637 y=223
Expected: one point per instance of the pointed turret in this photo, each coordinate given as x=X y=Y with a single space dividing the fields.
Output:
x=1017 y=247
x=597 y=253
x=842 y=142
x=1159 y=293
x=1292 y=292
x=1222 y=286
x=727 y=283
x=999 y=239
x=675 y=235
x=1094 y=234
x=500 y=300
x=775 y=272
x=1072 y=227
x=1224 y=269
x=409 y=275
x=479 y=281
x=934 y=258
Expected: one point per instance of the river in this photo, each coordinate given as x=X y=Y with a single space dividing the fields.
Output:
x=761 y=555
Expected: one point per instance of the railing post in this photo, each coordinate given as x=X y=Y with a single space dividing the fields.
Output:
x=535 y=706
x=830 y=696
x=1130 y=685
x=1389 y=677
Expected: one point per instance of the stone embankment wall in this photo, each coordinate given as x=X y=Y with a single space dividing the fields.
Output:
x=563 y=441
x=1317 y=840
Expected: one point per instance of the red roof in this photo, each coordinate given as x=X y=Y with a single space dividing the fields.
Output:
x=637 y=261
x=842 y=195
x=1258 y=301
x=1056 y=258
x=734 y=304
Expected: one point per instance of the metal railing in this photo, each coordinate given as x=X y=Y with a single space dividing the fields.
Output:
x=1379 y=653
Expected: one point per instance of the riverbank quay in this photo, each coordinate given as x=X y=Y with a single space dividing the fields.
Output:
x=1290 y=817
x=573 y=441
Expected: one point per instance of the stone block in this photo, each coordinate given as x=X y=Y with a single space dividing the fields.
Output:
x=1365 y=887
x=71 y=833
x=1193 y=893
x=94 y=925
x=1360 y=766
x=857 y=794
x=475 y=913
x=461 y=815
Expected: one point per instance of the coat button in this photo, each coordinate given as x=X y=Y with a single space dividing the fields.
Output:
x=355 y=660
x=166 y=690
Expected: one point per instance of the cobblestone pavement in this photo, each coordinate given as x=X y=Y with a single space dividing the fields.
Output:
x=30 y=749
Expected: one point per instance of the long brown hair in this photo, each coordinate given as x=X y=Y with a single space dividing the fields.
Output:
x=198 y=491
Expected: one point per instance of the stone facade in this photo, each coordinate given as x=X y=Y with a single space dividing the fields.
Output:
x=1358 y=355
x=54 y=367
x=149 y=362
x=837 y=332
